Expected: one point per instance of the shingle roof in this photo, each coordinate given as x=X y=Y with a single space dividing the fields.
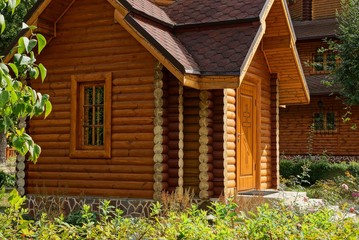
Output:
x=208 y=37
x=205 y=11
x=316 y=29
x=148 y=8
x=316 y=87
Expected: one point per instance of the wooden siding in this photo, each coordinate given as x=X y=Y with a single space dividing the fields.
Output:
x=295 y=131
x=296 y=10
x=258 y=72
x=322 y=9
x=91 y=42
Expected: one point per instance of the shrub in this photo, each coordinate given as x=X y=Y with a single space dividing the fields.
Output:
x=7 y=180
x=319 y=169
x=223 y=221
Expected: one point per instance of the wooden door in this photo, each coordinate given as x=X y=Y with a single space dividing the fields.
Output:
x=246 y=137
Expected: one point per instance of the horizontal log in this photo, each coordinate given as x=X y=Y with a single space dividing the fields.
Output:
x=132 y=152
x=140 y=177
x=91 y=167
x=101 y=192
x=123 y=129
x=123 y=185
x=132 y=136
x=132 y=144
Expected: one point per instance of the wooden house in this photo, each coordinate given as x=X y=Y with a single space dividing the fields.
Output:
x=317 y=128
x=153 y=96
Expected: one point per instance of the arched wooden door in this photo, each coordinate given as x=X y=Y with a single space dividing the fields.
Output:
x=246 y=136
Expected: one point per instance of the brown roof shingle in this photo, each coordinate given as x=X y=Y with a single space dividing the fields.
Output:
x=206 y=11
x=316 y=87
x=316 y=29
x=216 y=45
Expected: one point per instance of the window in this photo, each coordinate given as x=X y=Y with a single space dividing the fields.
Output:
x=324 y=121
x=324 y=62
x=91 y=116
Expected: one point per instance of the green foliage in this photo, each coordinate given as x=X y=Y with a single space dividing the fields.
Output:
x=346 y=75
x=341 y=190
x=18 y=100
x=223 y=221
x=319 y=169
x=7 y=180
x=12 y=20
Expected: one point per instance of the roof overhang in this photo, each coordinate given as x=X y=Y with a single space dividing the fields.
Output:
x=277 y=39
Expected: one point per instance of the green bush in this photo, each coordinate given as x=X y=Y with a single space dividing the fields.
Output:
x=7 y=180
x=223 y=221
x=319 y=169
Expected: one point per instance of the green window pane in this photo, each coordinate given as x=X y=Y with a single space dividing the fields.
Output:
x=331 y=121
x=318 y=121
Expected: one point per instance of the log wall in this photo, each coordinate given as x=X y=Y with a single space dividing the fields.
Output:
x=190 y=138
x=87 y=42
x=322 y=9
x=296 y=10
x=171 y=88
x=218 y=164
x=296 y=135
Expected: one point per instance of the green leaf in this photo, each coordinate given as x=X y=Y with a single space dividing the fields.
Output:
x=25 y=26
x=2 y=23
x=43 y=72
x=12 y=5
x=23 y=45
x=4 y=98
x=34 y=73
x=14 y=69
x=32 y=44
x=48 y=108
x=36 y=152
x=4 y=68
x=41 y=42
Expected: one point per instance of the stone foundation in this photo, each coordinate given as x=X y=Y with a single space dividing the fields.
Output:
x=55 y=205
x=330 y=158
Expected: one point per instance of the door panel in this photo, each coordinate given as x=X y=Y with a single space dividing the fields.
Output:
x=246 y=137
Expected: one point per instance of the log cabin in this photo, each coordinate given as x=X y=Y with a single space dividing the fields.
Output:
x=317 y=128
x=153 y=96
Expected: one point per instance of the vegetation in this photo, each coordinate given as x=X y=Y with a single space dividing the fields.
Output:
x=346 y=75
x=18 y=101
x=7 y=180
x=221 y=221
x=335 y=183
x=320 y=169
x=13 y=22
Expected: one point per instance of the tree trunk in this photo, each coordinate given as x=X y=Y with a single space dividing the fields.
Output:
x=3 y=145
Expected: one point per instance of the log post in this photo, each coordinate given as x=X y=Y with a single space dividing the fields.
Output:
x=20 y=166
x=203 y=141
x=158 y=131
x=229 y=136
x=180 y=140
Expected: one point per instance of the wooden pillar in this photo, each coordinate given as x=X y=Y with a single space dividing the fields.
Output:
x=275 y=130
x=205 y=140
x=180 y=140
x=20 y=166
x=229 y=140
x=158 y=132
